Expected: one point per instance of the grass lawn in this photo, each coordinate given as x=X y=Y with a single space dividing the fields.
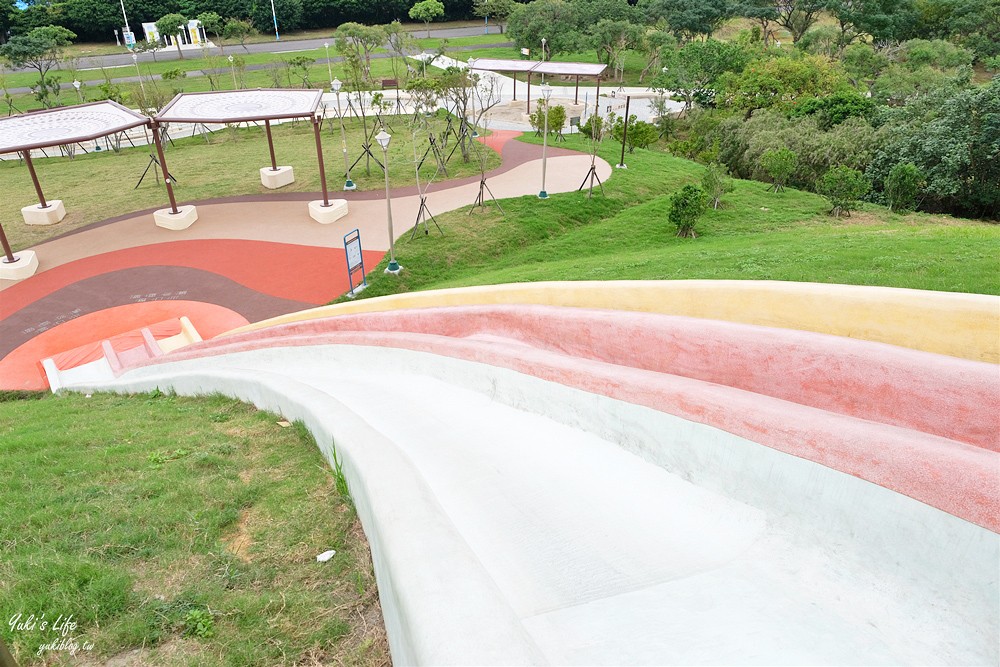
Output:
x=194 y=64
x=178 y=531
x=96 y=186
x=756 y=234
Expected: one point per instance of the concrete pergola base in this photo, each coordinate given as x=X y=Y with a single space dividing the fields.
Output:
x=184 y=218
x=276 y=178
x=25 y=266
x=325 y=215
x=49 y=215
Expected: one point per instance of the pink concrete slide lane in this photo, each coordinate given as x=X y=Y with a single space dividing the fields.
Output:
x=945 y=396
x=730 y=376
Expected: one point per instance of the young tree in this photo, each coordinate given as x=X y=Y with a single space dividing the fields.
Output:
x=762 y=12
x=612 y=39
x=903 y=186
x=401 y=45
x=146 y=46
x=498 y=10
x=556 y=21
x=779 y=164
x=716 y=182
x=40 y=50
x=239 y=30
x=640 y=133
x=686 y=206
x=655 y=46
x=426 y=11
x=844 y=187
x=213 y=23
x=360 y=41
x=688 y=18
x=696 y=67
x=797 y=16
x=172 y=24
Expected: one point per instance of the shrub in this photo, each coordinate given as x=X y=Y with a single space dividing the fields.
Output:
x=686 y=206
x=844 y=187
x=903 y=186
x=716 y=182
x=779 y=164
x=640 y=133
x=173 y=74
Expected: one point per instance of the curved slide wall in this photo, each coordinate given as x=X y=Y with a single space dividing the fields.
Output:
x=571 y=485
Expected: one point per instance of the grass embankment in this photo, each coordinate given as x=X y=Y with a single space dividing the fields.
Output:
x=97 y=186
x=756 y=234
x=185 y=529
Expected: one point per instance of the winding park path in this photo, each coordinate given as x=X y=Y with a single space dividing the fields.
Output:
x=583 y=473
x=246 y=259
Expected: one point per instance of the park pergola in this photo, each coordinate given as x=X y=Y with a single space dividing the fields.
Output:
x=44 y=129
x=246 y=106
x=540 y=67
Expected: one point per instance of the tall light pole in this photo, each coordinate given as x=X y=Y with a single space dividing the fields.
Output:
x=486 y=19
x=383 y=139
x=335 y=85
x=544 y=42
x=232 y=68
x=125 y=16
x=329 y=70
x=274 y=16
x=77 y=84
x=142 y=86
x=546 y=95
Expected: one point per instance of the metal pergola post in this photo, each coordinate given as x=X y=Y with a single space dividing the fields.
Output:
x=163 y=167
x=514 y=74
x=319 y=156
x=270 y=145
x=34 y=178
x=576 y=94
x=9 y=259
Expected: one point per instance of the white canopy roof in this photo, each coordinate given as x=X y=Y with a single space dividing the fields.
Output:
x=237 y=106
x=66 y=125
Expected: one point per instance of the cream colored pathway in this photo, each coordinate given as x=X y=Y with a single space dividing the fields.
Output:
x=289 y=221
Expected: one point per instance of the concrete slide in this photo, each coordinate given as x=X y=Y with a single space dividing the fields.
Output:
x=684 y=472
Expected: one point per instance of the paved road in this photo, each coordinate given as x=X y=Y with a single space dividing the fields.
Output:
x=249 y=68
x=290 y=46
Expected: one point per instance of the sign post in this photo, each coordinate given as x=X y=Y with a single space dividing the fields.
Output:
x=355 y=261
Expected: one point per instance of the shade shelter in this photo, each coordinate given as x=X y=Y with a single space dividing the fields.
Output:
x=246 y=106
x=54 y=127
x=530 y=67
x=572 y=69
x=502 y=65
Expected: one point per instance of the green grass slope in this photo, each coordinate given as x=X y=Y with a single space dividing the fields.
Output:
x=759 y=235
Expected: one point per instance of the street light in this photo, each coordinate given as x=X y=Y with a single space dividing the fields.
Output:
x=77 y=84
x=383 y=139
x=274 y=15
x=142 y=86
x=335 y=85
x=544 y=42
x=232 y=68
x=329 y=70
x=546 y=95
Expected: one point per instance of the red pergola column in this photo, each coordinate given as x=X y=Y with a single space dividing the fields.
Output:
x=163 y=167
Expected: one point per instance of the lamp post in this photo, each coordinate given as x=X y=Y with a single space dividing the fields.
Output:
x=486 y=18
x=274 y=15
x=77 y=84
x=329 y=70
x=544 y=42
x=546 y=95
x=232 y=68
x=383 y=139
x=142 y=86
x=335 y=85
